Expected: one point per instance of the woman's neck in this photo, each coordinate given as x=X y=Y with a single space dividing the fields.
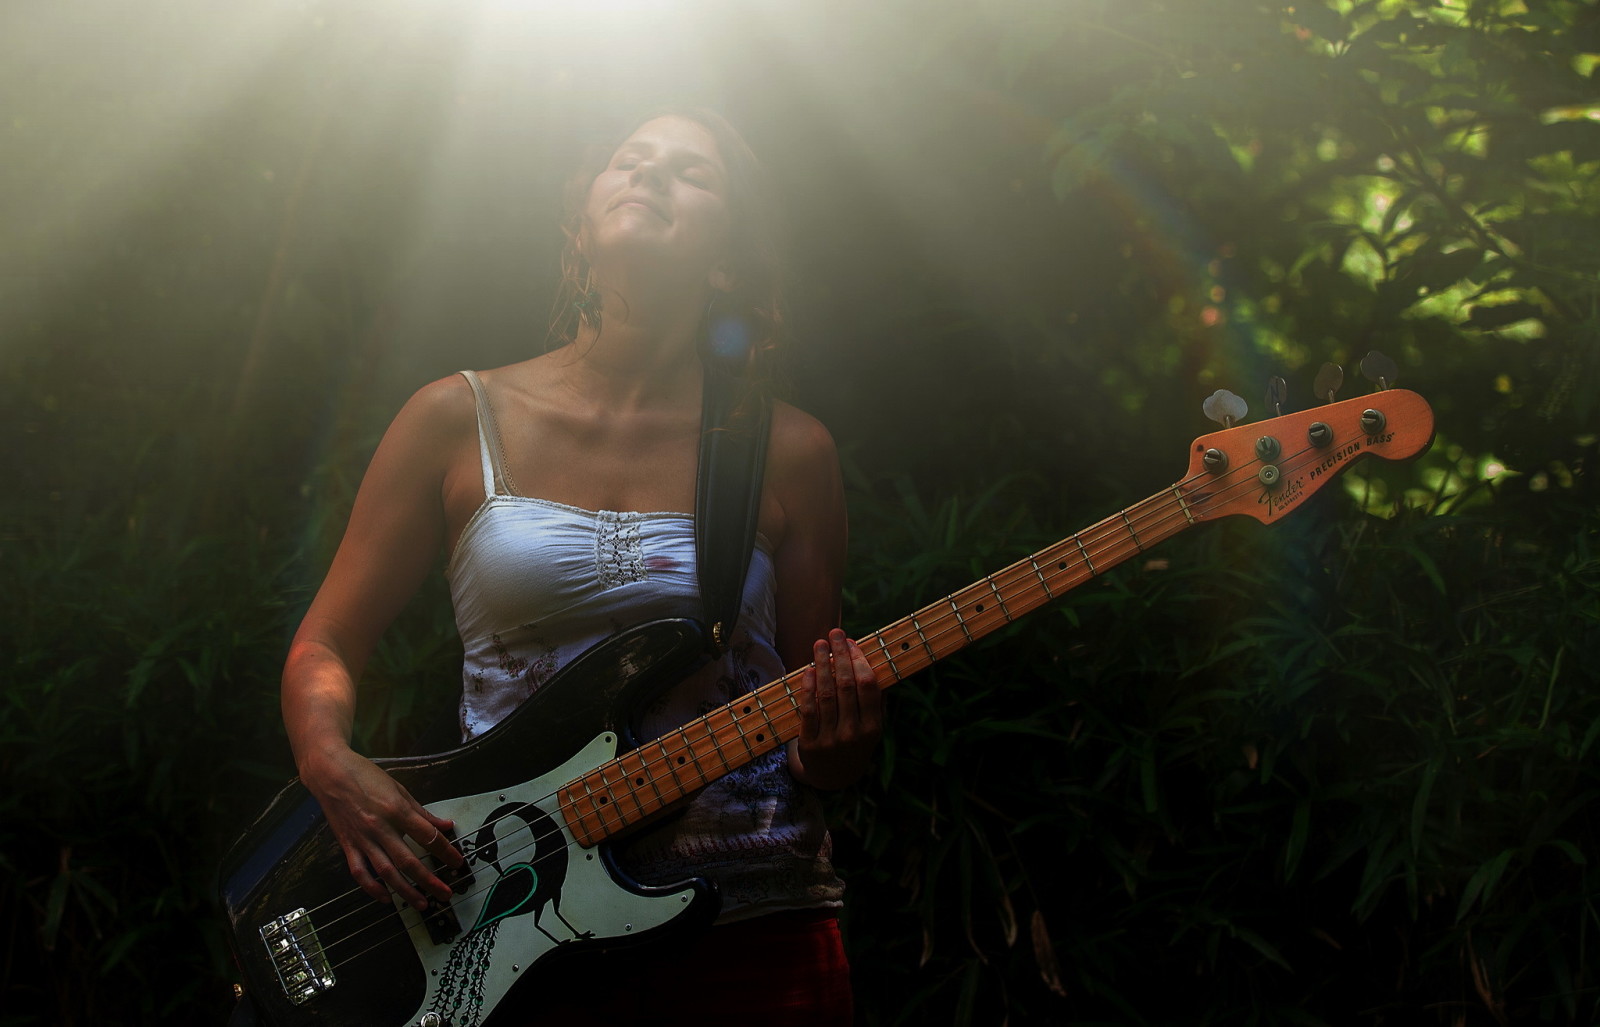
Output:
x=642 y=354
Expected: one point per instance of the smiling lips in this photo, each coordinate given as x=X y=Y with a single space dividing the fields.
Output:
x=641 y=201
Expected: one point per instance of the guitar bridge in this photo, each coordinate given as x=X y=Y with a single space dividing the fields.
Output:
x=297 y=955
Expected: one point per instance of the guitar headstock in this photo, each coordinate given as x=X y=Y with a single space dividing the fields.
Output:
x=1265 y=470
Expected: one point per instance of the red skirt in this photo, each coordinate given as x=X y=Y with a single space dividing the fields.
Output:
x=778 y=970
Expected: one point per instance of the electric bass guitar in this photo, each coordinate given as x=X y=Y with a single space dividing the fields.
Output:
x=537 y=798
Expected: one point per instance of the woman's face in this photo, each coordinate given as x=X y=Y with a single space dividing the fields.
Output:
x=663 y=195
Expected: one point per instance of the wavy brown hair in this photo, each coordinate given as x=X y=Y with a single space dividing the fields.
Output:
x=755 y=228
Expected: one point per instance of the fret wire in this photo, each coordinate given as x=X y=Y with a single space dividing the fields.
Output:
x=633 y=794
x=1087 y=562
x=567 y=803
x=888 y=656
x=999 y=598
x=737 y=735
x=594 y=809
x=789 y=693
x=1043 y=581
x=923 y=639
x=602 y=809
x=774 y=735
x=959 y=619
x=752 y=707
x=672 y=768
x=695 y=754
x=650 y=777
x=607 y=770
x=1131 y=533
x=915 y=658
x=1182 y=504
x=636 y=779
x=716 y=743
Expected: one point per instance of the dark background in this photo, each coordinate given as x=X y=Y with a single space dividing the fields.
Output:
x=1337 y=771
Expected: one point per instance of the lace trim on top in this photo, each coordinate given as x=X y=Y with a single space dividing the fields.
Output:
x=618 y=554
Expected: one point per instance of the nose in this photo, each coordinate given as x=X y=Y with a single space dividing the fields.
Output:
x=646 y=171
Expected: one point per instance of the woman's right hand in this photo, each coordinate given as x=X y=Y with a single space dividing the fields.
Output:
x=396 y=528
x=372 y=815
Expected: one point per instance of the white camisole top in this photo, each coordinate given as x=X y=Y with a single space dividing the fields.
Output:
x=534 y=583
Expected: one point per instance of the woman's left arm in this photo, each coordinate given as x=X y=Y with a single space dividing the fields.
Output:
x=841 y=705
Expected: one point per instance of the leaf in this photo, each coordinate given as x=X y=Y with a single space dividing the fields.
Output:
x=1324 y=21
x=1488 y=316
x=1148 y=786
x=1419 y=806
x=1044 y=954
x=1426 y=564
x=55 y=906
x=1482 y=884
x=1260 y=944
x=1429 y=272
x=1579 y=137
x=1382 y=859
x=1299 y=830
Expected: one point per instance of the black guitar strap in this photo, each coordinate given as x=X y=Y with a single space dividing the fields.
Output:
x=735 y=422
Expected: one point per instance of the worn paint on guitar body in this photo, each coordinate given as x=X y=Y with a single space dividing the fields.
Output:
x=535 y=894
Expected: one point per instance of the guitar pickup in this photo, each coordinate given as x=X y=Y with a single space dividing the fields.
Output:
x=458 y=878
x=442 y=924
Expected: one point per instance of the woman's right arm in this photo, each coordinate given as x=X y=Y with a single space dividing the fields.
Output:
x=396 y=528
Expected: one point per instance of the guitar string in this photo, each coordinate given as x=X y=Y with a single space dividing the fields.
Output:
x=1116 y=526
x=668 y=754
x=1164 y=513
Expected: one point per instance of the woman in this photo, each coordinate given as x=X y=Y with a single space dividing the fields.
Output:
x=543 y=481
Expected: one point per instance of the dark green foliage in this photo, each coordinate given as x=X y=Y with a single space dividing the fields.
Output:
x=1265 y=778
x=1339 y=771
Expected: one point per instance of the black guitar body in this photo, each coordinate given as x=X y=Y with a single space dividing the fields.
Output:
x=314 y=949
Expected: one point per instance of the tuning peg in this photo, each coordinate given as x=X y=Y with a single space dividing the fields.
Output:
x=1277 y=392
x=1225 y=408
x=1379 y=370
x=1329 y=378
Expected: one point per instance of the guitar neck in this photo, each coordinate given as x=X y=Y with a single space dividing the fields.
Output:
x=623 y=792
x=939 y=629
x=1264 y=471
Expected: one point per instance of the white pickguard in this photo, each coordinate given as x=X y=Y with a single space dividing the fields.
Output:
x=494 y=957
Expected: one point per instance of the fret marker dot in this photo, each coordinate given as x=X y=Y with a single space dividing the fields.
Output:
x=639 y=781
x=761 y=738
x=979 y=607
x=904 y=646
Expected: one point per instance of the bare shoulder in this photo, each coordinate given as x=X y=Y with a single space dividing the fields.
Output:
x=803 y=477
x=443 y=403
x=436 y=418
x=802 y=450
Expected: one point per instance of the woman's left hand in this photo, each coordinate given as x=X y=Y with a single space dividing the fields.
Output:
x=841 y=715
